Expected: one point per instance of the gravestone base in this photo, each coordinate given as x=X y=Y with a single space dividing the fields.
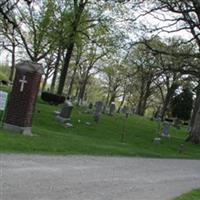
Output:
x=68 y=125
x=17 y=129
x=62 y=119
x=157 y=140
x=56 y=113
x=165 y=136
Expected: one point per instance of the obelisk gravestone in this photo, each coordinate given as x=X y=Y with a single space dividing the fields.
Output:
x=23 y=97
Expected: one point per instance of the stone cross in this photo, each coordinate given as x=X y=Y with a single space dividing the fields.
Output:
x=22 y=81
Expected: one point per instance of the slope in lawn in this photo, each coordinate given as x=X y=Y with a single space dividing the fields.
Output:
x=194 y=195
x=51 y=137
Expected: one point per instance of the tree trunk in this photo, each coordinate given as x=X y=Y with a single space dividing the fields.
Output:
x=195 y=133
x=82 y=91
x=196 y=105
x=112 y=98
x=107 y=100
x=139 y=106
x=13 y=63
x=77 y=92
x=78 y=8
x=55 y=74
x=122 y=102
x=168 y=97
x=71 y=83
x=65 y=69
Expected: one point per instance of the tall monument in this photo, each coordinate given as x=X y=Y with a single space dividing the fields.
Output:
x=23 y=97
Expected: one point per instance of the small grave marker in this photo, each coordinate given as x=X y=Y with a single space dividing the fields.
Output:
x=112 y=109
x=3 y=100
x=98 y=110
x=166 y=127
x=3 y=103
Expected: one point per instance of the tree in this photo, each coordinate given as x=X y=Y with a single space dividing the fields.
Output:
x=176 y=16
x=181 y=105
x=146 y=71
x=78 y=11
x=32 y=24
x=6 y=7
x=9 y=43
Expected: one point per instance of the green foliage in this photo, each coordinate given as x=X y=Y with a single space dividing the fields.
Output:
x=181 y=105
x=4 y=72
x=3 y=76
x=51 y=137
x=62 y=30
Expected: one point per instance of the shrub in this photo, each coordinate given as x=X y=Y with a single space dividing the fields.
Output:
x=181 y=105
x=52 y=99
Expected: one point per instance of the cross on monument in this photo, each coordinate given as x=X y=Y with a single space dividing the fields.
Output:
x=22 y=81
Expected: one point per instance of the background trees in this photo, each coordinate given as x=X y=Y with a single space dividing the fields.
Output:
x=110 y=49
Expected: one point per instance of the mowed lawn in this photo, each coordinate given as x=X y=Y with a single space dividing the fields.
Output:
x=194 y=195
x=104 y=138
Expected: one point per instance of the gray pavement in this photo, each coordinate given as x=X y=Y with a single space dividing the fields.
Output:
x=31 y=177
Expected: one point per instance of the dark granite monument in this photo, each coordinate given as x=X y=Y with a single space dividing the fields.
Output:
x=65 y=114
x=112 y=109
x=23 y=97
x=98 y=110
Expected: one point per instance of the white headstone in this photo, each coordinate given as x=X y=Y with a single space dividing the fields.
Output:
x=3 y=100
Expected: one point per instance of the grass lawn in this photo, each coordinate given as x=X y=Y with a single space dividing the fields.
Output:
x=51 y=137
x=194 y=195
x=3 y=76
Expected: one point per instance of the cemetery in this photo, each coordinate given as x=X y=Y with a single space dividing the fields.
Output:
x=102 y=137
x=115 y=81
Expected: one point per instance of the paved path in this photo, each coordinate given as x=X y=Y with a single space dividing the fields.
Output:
x=27 y=177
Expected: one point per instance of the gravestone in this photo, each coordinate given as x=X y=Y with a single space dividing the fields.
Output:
x=166 y=127
x=112 y=109
x=181 y=148
x=98 y=110
x=156 y=140
x=65 y=113
x=23 y=97
x=124 y=109
x=157 y=114
x=133 y=110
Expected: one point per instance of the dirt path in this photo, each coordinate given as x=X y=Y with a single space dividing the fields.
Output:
x=28 y=177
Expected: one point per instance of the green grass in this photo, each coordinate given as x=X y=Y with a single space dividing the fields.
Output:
x=194 y=195
x=51 y=137
x=3 y=76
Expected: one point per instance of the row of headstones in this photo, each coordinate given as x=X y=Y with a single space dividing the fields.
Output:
x=65 y=113
x=111 y=110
